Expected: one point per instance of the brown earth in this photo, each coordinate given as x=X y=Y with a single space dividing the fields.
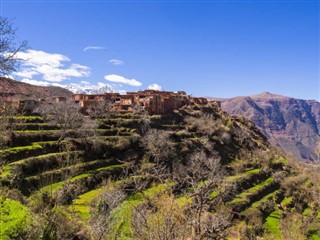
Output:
x=13 y=90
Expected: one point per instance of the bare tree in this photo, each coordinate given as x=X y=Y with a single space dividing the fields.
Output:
x=160 y=150
x=66 y=115
x=102 y=210
x=159 y=145
x=100 y=109
x=52 y=224
x=144 y=116
x=203 y=175
x=206 y=124
x=9 y=47
x=204 y=178
x=161 y=218
x=8 y=123
x=214 y=225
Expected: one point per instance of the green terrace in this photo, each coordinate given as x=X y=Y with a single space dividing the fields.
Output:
x=253 y=194
x=35 y=126
x=27 y=119
x=272 y=226
x=41 y=163
x=64 y=173
x=258 y=205
x=35 y=149
x=122 y=225
x=82 y=204
x=85 y=181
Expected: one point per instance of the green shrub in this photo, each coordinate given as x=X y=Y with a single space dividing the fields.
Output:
x=15 y=219
x=272 y=225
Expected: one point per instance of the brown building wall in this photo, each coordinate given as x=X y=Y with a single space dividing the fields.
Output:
x=155 y=102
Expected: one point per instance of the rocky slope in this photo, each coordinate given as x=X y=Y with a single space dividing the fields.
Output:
x=11 y=90
x=292 y=124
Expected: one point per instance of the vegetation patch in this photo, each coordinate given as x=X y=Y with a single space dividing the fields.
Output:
x=52 y=187
x=122 y=214
x=243 y=175
x=81 y=205
x=272 y=225
x=36 y=148
x=244 y=198
x=15 y=219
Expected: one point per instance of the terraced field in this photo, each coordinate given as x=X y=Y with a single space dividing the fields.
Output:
x=79 y=171
x=39 y=164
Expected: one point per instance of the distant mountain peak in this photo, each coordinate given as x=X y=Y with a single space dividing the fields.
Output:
x=76 y=88
x=268 y=95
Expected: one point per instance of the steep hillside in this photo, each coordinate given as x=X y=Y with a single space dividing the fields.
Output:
x=12 y=89
x=197 y=173
x=292 y=124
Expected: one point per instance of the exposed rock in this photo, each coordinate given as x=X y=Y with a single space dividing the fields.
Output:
x=292 y=124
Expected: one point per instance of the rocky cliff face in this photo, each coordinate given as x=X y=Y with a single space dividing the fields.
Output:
x=11 y=90
x=292 y=124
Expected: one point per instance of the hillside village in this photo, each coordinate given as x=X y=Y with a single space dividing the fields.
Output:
x=151 y=101
x=179 y=159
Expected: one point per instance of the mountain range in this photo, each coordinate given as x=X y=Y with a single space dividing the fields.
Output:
x=11 y=89
x=291 y=124
x=75 y=88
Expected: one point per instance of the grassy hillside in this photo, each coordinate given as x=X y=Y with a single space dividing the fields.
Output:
x=197 y=173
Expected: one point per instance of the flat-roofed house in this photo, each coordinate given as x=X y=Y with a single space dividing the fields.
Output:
x=152 y=101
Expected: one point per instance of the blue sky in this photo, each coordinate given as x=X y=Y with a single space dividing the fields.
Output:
x=207 y=48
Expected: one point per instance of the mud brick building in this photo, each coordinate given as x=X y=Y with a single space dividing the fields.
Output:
x=152 y=101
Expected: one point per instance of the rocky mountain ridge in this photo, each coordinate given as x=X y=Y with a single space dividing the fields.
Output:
x=12 y=90
x=292 y=124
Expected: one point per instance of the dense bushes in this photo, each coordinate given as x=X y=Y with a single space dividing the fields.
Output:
x=15 y=219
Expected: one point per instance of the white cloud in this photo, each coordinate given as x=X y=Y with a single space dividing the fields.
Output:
x=82 y=87
x=93 y=48
x=36 y=57
x=116 y=62
x=155 y=86
x=50 y=66
x=121 y=79
x=35 y=82
x=26 y=73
